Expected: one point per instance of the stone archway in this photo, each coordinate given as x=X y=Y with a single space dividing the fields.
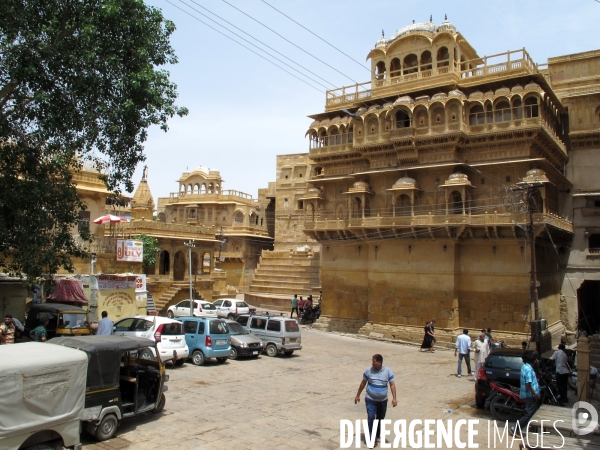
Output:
x=179 y=267
x=164 y=263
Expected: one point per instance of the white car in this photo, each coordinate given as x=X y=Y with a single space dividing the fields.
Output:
x=168 y=334
x=230 y=308
x=202 y=308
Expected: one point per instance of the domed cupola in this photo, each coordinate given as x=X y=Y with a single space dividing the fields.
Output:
x=382 y=43
x=535 y=176
x=405 y=183
x=446 y=26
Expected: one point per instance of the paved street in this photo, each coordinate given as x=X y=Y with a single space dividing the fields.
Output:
x=296 y=402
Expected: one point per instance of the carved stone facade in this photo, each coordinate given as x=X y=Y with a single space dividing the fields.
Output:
x=418 y=176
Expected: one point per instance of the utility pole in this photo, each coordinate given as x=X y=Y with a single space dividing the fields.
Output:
x=190 y=244
x=531 y=208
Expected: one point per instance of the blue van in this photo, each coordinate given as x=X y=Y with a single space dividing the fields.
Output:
x=206 y=338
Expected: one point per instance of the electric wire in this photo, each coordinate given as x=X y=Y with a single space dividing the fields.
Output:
x=319 y=37
x=239 y=43
x=258 y=40
x=287 y=40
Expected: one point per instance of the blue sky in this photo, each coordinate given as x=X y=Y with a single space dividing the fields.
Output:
x=245 y=111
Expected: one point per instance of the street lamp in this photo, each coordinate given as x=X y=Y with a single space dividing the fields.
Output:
x=190 y=244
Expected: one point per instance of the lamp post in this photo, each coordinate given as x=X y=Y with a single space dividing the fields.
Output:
x=190 y=244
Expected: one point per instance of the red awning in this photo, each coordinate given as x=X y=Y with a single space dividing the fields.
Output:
x=68 y=291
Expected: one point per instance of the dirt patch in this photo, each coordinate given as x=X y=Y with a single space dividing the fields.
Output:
x=458 y=402
x=202 y=382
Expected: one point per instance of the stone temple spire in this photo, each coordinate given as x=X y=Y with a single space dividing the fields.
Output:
x=142 y=204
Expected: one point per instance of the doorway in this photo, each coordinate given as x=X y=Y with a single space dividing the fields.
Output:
x=179 y=267
x=588 y=300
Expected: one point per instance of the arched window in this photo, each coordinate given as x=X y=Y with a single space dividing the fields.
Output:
x=402 y=119
x=206 y=263
x=456 y=207
x=334 y=137
x=443 y=57
x=238 y=217
x=164 y=263
x=357 y=207
x=380 y=71
x=318 y=171
x=395 y=68
x=191 y=189
x=196 y=189
x=438 y=116
x=531 y=107
x=502 y=112
x=410 y=64
x=476 y=115
x=426 y=60
x=403 y=206
x=350 y=134
x=211 y=188
x=517 y=108
x=203 y=188
x=594 y=243
x=310 y=212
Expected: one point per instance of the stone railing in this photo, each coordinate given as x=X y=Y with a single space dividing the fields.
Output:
x=152 y=228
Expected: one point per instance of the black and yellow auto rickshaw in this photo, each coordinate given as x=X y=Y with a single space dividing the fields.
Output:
x=119 y=383
x=63 y=320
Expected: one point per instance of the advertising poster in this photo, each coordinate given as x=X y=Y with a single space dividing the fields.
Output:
x=132 y=251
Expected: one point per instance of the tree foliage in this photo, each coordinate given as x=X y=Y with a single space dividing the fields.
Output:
x=150 y=249
x=79 y=81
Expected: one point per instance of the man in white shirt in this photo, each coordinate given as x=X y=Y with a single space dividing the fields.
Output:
x=105 y=325
x=562 y=372
x=481 y=351
x=463 y=347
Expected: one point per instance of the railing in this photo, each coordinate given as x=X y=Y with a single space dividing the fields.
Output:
x=98 y=244
x=166 y=229
x=223 y=195
x=594 y=250
x=439 y=220
x=488 y=65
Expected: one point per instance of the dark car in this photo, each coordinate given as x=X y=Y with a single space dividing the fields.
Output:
x=504 y=365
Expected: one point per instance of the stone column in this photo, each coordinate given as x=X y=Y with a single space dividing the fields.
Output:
x=583 y=369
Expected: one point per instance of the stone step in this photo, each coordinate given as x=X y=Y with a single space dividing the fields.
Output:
x=304 y=291
x=291 y=283
x=280 y=269
x=285 y=277
x=290 y=262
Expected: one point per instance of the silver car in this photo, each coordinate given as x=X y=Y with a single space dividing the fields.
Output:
x=242 y=342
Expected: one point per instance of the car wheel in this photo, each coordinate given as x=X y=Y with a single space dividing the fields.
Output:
x=107 y=427
x=198 y=358
x=479 y=402
x=288 y=352
x=147 y=354
x=170 y=314
x=231 y=317
x=179 y=362
x=271 y=350
x=234 y=353
x=222 y=359
x=160 y=405
x=497 y=406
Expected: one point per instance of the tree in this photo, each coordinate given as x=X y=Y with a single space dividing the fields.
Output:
x=150 y=249
x=78 y=82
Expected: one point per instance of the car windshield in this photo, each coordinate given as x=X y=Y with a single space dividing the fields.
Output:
x=218 y=327
x=172 y=329
x=242 y=304
x=207 y=306
x=236 y=328
x=71 y=320
x=504 y=362
x=292 y=326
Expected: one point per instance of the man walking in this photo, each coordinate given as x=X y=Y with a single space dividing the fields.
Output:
x=295 y=306
x=530 y=391
x=463 y=346
x=562 y=372
x=39 y=333
x=105 y=325
x=7 y=330
x=376 y=378
x=481 y=351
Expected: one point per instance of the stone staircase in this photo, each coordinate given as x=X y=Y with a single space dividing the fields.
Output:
x=171 y=294
x=280 y=275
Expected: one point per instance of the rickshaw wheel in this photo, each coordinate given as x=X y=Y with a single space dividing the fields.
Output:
x=160 y=405
x=107 y=427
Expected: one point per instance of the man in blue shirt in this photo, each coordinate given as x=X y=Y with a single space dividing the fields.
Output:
x=376 y=378
x=463 y=347
x=530 y=390
x=105 y=325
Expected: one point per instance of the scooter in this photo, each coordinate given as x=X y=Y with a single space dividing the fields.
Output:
x=505 y=401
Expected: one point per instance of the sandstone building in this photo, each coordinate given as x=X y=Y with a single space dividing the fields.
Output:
x=417 y=202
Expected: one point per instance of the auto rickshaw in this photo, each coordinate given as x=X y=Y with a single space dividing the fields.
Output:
x=64 y=320
x=119 y=383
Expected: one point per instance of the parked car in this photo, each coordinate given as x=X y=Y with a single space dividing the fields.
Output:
x=278 y=333
x=167 y=333
x=242 y=342
x=202 y=308
x=206 y=338
x=231 y=307
x=502 y=364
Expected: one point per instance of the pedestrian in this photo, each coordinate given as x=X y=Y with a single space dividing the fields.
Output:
x=530 y=391
x=105 y=325
x=295 y=306
x=19 y=329
x=491 y=341
x=432 y=329
x=463 y=347
x=524 y=345
x=39 y=333
x=562 y=372
x=308 y=303
x=301 y=304
x=7 y=330
x=427 y=345
x=481 y=352
x=377 y=378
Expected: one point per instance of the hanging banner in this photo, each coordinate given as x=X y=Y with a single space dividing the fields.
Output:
x=110 y=282
x=132 y=251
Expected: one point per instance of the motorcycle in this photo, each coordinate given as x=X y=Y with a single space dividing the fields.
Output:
x=310 y=314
